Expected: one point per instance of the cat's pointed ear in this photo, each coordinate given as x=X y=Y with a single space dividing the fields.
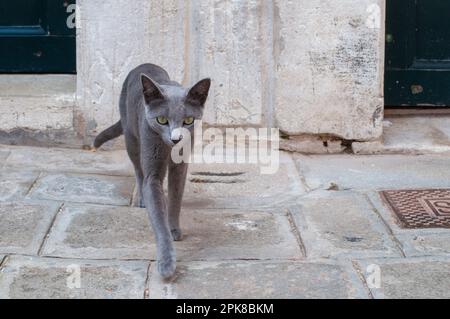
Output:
x=199 y=93
x=151 y=89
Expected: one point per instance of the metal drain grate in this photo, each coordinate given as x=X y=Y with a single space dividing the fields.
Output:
x=422 y=208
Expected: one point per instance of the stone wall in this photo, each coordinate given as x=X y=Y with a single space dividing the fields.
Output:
x=305 y=66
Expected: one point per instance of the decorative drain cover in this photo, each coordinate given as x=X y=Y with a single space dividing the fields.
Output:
x=423 y=208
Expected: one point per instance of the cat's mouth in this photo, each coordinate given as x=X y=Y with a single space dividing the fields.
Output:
x=179 y=142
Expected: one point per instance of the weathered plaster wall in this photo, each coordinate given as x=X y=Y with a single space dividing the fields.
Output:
x=306 y=66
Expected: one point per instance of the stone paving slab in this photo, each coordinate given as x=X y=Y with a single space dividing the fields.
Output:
x=23 y=226
x=241 y=185
x=95 y=189
x=15 y=184
x=237 y=234
x=415 y=242
x=42 y=278
x=70 y=160
x=413 y=278
x=99 y=232
x=250 y=279
x=375 y=172
x=341 y=224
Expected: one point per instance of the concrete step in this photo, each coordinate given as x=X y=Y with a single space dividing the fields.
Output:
x=38 y=109
x=410 y=134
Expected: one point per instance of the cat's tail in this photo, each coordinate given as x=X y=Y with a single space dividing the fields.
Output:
x=110 y=133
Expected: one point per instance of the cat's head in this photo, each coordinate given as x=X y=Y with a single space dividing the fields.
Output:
x=169 y=108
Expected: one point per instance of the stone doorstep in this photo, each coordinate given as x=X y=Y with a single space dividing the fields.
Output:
x=426 y=134
x=99 y=232
x=261 y=279
x=36 y=277
x=374 y=172
x=12 y=85
x=48 y=104
x=412 y=278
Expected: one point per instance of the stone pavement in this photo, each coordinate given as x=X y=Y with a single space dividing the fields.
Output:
x=317 y=229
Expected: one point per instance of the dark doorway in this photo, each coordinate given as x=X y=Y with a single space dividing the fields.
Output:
x=417 y=53
x=35 y=36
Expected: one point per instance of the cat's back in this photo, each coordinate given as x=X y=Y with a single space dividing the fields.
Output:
x=154 y=71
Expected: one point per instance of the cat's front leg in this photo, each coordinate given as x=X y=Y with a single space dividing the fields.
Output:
x=155 y=203
x=177 y=181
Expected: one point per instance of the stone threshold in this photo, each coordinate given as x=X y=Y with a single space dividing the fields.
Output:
x=410 y=134
x=38 y=109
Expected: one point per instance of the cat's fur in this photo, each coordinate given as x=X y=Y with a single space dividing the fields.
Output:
x=148 y=93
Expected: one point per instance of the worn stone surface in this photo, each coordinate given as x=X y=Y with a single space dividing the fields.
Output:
x=375 y=172
x=169 y=36
x=257 y=279
x=411 y=135
x=427 y=134
x=4 y=153
x=265 y=71
x=95 y=189
x=105 y=56
x=338 y=224
x=42 y=278
x=335 y=45
x=237 y=56
x=249 y=248
x=23 y=226
x=186 y=44
x=312 y=145
x=237 y=234
x=417 y=244
x=15 y=184
x=70 y=160
x=419 y=278
x=98 y=232
x=45 y=105
x=414 y=242
x=241 y=185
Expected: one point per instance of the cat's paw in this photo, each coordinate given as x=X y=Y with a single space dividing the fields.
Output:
x=167 y=266
x=177 y=235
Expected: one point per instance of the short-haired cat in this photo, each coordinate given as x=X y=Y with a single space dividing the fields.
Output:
x=153 y=109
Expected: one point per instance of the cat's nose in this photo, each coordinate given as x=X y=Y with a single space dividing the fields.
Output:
x=176 y=135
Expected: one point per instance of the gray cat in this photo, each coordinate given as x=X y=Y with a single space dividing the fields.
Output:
x=152 y=110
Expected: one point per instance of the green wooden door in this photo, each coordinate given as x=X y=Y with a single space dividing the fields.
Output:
x=417 y=53
x=35 y=36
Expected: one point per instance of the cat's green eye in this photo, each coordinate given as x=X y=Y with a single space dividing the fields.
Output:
x=188 y=120
x=162 y=120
